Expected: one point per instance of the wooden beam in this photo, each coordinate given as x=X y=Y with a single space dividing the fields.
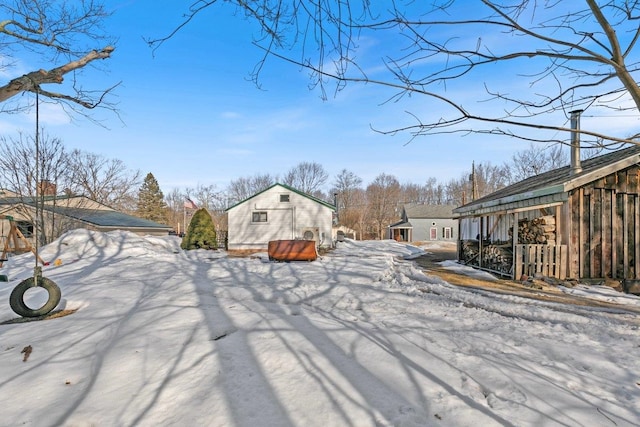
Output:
x=614 y=235
x=603 y=234
x=591 y=237
x=625 y=236
x=517 y=272
x=480 y=238
x=580 y=233
x=636 y=236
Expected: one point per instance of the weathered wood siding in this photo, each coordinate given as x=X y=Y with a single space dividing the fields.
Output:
x=547 y=260
x=605 y=227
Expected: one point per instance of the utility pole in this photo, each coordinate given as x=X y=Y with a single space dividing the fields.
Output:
x=472 y=178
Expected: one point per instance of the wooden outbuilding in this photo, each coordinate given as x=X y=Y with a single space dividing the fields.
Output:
x=581 y=221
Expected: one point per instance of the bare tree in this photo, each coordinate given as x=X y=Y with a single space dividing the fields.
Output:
x=17 y=160
x=175 y=209
x=435 y=192
x=307 y=177
x=58 y=32
x=481 y=180
x=107 y=181
x=383 y=196
x=536 y=160
x=357 y=216
x=412 y=193
x=243 y=188
x=564 y=56
x=345 y=186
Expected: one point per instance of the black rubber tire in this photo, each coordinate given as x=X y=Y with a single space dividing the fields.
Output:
x=16 y=300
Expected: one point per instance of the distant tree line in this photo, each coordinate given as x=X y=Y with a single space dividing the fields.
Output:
x=367 y=208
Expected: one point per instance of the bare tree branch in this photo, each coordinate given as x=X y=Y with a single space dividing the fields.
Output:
x=53 y=29
x=31 y=82
x=580 y=55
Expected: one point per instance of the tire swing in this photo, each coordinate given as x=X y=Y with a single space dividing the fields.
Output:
x=16 y=299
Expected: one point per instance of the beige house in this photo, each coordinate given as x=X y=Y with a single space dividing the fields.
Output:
x=63 y=213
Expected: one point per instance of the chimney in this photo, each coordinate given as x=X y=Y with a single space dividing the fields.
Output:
x=576 y=168
x=46 y=188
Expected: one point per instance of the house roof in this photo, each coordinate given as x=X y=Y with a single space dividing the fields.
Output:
x=286 y=187
x=107 y=218
x=401 y=224
x=418 y=210
x=555 y=183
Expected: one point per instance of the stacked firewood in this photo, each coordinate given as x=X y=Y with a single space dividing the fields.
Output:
x=541 y=230
x=470 y=249
x=494 y=257
x=497 y=257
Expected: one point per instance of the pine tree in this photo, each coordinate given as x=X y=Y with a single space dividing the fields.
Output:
x=151 y=204
x=201 y=233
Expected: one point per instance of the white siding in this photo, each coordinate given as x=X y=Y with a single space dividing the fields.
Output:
x=285 y=220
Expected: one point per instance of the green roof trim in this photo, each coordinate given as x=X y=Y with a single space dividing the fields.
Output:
x=286 y=187
x=553 y=184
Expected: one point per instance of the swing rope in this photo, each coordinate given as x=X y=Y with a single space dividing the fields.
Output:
x=37 y=270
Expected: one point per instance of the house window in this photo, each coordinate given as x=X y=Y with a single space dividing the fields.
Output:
x=433 y=235
x=284 y=198
x=447 y=232
x=25 y=227
x=259 y=217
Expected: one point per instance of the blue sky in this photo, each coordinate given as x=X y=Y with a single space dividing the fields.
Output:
x=191 y=116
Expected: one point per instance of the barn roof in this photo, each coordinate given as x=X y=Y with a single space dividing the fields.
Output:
x=286 y=187
x=553 y=185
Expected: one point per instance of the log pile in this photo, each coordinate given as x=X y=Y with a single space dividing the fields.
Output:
x=497 y=258
x=470 y=250
x=539 y=231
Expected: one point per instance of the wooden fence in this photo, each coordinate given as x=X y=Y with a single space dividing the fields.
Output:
x=547 y=260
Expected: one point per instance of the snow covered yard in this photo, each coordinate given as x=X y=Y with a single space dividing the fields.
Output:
x=360 y=337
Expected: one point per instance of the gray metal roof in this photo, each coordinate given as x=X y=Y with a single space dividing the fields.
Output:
x=416 y=210
x=104 y=218
x=401 y=224
x=107 y=218
x=553 y=184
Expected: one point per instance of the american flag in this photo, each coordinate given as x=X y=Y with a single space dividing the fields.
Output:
x=188 y=204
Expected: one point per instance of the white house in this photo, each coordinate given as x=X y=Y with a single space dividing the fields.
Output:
x=279 y=213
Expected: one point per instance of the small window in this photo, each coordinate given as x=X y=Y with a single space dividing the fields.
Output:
x=447 y=232
x=284 y=198
x=433 y=233
x=259 y=217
